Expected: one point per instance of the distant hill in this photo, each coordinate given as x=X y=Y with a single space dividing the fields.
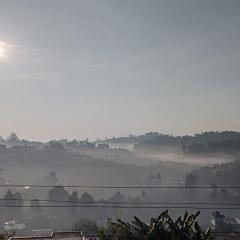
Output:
x=203 y=142
x=131 y=139
x=227 y=174
x=154 y=142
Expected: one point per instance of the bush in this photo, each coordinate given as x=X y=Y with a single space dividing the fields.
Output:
x=86 y=226
x=160 y=228
x=6 y=235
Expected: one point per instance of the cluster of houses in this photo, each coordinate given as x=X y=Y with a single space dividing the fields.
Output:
x=221 y=223
x=223 y=228
x=46 y=234
x=71 y=235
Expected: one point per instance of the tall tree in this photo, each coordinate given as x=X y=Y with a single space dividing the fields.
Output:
x=73 y=199
x=58 y=193
x=36 y=208
x=14 y=200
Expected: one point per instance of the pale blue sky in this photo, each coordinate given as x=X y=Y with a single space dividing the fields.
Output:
x=96 y=68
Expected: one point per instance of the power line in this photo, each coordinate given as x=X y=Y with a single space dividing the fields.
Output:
x=123 y=207
x=124 y=203
x=28 y=186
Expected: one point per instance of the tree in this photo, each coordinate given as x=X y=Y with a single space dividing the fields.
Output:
x=13 y=137
x=158 y=178
x=150 y=179
x=56 y=146
x=36 y=208
x=190 y=181
x=225 y=195
x=58 y=193
x=15 y=201
x=160 y=228
x=86 y=226
x=52 y=178
x=143 y=194
x=86 y=197
x=154 y=179
x=117 y=197
x=214 y=193
x=6 y=235
x=73 y=199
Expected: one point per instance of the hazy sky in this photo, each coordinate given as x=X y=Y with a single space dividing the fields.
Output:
x=96 y=68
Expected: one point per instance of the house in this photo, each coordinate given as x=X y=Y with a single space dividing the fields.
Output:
x=226 y=236
x=221 y=223
x=71 y=235
x=13 y=226
x=90 y=237
x=42 y=232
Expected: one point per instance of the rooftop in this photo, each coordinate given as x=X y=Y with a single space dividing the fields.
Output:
x=54 y=235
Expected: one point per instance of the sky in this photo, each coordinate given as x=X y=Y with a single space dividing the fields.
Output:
x=89 y=68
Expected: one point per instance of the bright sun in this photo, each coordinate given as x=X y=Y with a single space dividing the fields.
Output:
x=2 y=50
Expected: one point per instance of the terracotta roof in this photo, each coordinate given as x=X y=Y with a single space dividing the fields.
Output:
x=54 y=235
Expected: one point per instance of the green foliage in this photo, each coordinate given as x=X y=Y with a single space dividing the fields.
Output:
x=36 y=209
x=6 y=235
x=57 y=193
x=191 y=180
x=86 y=197
x=16 y=200
x=86 y=226
x=160 y=228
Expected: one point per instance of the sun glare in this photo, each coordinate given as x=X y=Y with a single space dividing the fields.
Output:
x=2 y=50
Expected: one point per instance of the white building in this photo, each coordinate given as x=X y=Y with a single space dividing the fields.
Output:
x=13 y=226
x=71 y=235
